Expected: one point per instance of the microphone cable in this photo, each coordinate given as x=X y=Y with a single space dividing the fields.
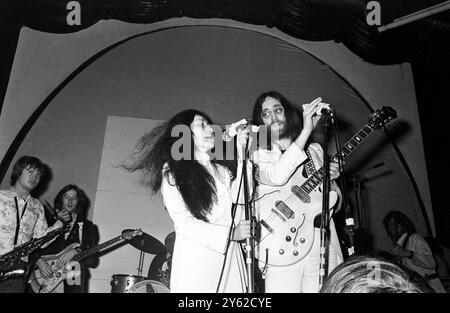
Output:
x=233 y=214
x=230 y=232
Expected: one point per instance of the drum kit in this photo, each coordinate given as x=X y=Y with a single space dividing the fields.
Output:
x=125 y=283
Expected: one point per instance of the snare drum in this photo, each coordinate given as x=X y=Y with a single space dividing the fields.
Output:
x=121 y=283
x=149 y=286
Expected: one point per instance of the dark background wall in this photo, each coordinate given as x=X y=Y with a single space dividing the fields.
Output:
x=432 y=82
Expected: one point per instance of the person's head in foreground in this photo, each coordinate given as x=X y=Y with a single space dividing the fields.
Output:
x=362 y=274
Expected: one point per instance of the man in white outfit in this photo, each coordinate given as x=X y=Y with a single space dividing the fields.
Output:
x=289 y=151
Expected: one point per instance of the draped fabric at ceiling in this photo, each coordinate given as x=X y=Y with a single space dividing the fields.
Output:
x=315 y=20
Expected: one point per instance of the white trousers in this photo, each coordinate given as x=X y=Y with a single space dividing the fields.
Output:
x=304 y=275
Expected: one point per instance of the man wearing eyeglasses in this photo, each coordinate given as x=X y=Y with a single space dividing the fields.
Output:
x=290 y=151
x=22 y=217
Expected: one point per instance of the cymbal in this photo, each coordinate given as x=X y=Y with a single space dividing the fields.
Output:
x=147 y=243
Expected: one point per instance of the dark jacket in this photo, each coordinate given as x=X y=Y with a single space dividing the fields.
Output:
x=89 y=239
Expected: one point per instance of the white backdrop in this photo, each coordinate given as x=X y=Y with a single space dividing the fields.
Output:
x=217 y=66
x=122 y=202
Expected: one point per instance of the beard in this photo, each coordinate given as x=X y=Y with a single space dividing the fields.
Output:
x=280 y=132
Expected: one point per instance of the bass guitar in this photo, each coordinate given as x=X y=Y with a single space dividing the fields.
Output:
x=40 y=284
x=286 y=214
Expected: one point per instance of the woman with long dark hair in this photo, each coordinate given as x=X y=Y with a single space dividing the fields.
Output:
x=198 y=192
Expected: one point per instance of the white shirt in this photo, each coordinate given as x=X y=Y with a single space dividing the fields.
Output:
x=200 y=246
x=423 y=261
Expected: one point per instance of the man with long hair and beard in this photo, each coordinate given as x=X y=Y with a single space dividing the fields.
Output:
x=289 y=151
x=198 y=192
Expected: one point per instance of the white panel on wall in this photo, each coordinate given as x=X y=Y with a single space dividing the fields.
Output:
x=122 y=202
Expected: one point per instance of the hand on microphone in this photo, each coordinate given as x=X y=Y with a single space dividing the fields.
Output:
x=242 y=231
x=310 y=117
x=313 y=111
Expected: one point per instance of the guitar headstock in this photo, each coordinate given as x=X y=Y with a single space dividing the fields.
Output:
x=382 y=117
x=128 y=234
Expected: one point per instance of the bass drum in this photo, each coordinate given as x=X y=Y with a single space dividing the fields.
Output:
x=121 y=283
x=149 y=286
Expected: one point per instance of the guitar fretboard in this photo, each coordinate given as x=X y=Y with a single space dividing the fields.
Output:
x=317 y=177
x=98 y=248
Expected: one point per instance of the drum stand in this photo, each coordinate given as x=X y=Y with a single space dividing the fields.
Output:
x=141 y=263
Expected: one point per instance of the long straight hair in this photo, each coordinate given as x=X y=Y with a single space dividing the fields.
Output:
x=294 y=122
x=154 y=150
x=82 y=200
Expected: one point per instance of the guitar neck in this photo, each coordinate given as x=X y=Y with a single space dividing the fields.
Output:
x=317 y=177
x=50 y=235
x=97 y=248
x=9 y=259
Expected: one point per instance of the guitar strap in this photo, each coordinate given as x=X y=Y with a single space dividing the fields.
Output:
x=309 y=169
x=18 y=219
x=309 y=166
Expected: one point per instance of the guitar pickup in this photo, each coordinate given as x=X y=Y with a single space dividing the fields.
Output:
x=266 y=226
x=284 y=209
x=279 y=215
x=301 y=194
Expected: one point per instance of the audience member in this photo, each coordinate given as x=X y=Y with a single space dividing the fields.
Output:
x=362 y=274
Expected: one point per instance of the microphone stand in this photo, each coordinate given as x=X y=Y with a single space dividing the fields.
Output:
x=249 y=243
x=324 y=226
x=141 y=263
x=349 y=229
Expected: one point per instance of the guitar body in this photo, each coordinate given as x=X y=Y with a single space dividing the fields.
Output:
x=39 y=283
x=287 y=221
x=286 y=215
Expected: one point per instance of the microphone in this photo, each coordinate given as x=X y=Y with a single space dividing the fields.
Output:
x=322 y=109
x=231 y=130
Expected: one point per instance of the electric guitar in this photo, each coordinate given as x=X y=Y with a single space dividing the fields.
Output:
x=286 y=214
x=40 y=284
x=12 y=266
